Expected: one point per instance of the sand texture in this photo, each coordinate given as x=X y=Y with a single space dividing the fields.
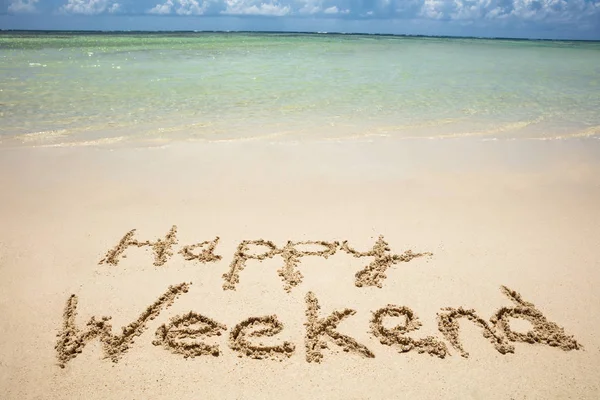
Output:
x=456 y=269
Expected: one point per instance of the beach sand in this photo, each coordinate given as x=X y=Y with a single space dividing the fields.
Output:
x=519 y=214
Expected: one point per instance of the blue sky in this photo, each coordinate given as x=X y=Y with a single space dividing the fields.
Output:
x=569 y=19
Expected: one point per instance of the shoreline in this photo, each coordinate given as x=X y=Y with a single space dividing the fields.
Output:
x=115 y=137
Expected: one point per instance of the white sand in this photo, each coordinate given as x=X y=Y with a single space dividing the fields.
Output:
x=520 y=214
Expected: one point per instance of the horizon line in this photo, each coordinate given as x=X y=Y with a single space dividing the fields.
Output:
x=333 y=33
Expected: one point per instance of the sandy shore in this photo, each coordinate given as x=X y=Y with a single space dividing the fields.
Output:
x=523 y=215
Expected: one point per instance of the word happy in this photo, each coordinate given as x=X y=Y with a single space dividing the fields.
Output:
x=372 y=275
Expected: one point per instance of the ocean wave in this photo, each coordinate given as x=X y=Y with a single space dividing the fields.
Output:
x=88 y=143
x=513 y=126
x=592 y=131
x=43 y=135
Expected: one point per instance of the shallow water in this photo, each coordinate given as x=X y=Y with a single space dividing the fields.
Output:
x=60 y=89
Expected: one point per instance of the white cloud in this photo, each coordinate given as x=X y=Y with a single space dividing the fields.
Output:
x=22 y=6
x=180 y=7
x=254 y=7
x=434 y=9
x=526 y=10
x=480 y=12
x=335 y=10
x=553 y=9
x=311 y=7
x=90 y=7
x=468 y=9
x=164 y=8
x=114 y=8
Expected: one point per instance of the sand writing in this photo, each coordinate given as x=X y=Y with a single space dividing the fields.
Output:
x=177 y=335
x=448 y=325
x=206 y=255
x=240 y=335
x=396 y=336
x=498 y=330
x=320 y=329
x=181 y=335
x=242 y=255
x=260 y=249
x=72 y=340
x=161 y=247
x=186 y=334
x=374 y=273
x=291 y=259
x=544 y=331
x=289 y=272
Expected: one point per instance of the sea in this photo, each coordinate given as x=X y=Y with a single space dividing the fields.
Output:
x=148 y=89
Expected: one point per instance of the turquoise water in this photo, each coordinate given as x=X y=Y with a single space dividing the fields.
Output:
x=59 y=89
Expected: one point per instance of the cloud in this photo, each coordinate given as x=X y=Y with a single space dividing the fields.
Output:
x=435 y=9
x=162 y=9
x=114 y=8
x=524 y=10
x=180 y=7
x=310 y=7
x=90 y=7
x=22 y=6
x=554 y=10
x=255 y=7
x=482 y=13
x=335 y=10
x=468 y=9
x=328 y=7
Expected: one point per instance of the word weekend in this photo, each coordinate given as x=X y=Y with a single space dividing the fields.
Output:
x=185 y=334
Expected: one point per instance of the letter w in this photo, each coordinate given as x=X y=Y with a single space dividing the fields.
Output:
x=72 y=340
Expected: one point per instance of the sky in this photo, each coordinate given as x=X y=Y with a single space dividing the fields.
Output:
x=540 y=19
